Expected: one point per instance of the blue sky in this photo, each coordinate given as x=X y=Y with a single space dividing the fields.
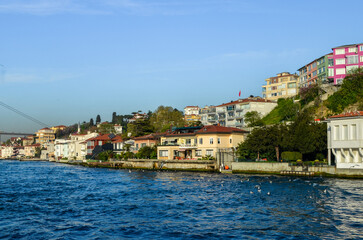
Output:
x=66 y=61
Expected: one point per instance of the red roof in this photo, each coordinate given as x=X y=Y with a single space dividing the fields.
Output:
x=151 y=136
x=348 y=114
x=246 y=100
x=105 y=137
x=219 y=129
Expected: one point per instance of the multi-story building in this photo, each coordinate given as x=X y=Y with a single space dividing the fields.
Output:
x=345 y=140
x=77 y=148
x=58 y=128
x=45 y=135
x=232 y=114
x=149 y=140
x=191 y=114
x=284 y=85
x=315 y=72
x=344 y=59
x=197 y=142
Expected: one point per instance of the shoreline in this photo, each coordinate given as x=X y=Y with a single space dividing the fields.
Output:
x=183 y=166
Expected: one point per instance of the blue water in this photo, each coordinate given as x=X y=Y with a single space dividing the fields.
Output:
x=42 y=200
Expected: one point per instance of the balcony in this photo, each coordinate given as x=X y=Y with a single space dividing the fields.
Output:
x=188 y=145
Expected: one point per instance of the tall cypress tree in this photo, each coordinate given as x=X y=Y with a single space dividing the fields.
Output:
x=98 y=119
x=91 y=123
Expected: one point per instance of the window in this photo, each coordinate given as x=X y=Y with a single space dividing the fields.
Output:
x=361 y=58
x=198 y=153
x=339 y=61
x=143 y=144
x=330 y=62
x=352 y=49
x=211 y=140
x=340 y=71
x=291 y=91
x=331 y=72
x=219 y=140
x=339 y=51
x=209 y=152
x=345 y=132
x=200 y=140
x=314 y=73
x=361 y=48
x=163 y=153
x=188 y=141
x=336 y=133
x=137 y=146
x=353 y=132
x=230 y=140
x=352 y=59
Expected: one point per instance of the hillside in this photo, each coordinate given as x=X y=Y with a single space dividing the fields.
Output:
x=321 y=101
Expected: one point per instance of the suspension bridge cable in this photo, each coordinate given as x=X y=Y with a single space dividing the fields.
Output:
x=23 y=114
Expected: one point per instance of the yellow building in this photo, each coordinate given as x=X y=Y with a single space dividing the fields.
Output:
x=198 y=142
x=58 y=128
x=45 y=135
x=284 y=85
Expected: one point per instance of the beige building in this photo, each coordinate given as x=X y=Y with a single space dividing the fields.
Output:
x=45 y=135
x=284 y=85
x=198 y=142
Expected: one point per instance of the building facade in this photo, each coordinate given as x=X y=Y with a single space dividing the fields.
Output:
x=344 y=59
x=284 y=85
x=315 y=72
x=232 y=114
x=198 y=142
x=345 y=140
x=45 y=135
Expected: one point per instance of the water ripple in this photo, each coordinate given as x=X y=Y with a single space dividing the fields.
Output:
x=42 y=200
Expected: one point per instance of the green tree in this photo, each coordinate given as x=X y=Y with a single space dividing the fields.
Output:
x=139 y=127
x=287 y=109
x=165 y=117
x=91 y=123
x=146 y=152
x=253 y=119
x=350 y=92
x=98 y=119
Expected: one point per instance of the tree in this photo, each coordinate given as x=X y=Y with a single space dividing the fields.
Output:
x=253 y=119
x=98 y=119
x=165 y=117
x=91 y=123
x=350 y=92
x=146 y=153
x=287 y=109
x=114 y=118
x=139 y=127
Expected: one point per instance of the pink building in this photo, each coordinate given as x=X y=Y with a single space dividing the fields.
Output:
x=344 y=59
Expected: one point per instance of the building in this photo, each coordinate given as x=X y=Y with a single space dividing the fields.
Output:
x=315 y=72
x=138 y=116
x=191 y=114
x=61 y=148
x=28 y=140
x=118 y=128
x=45 y=135
x=284 y=85
x=30 y=150
x=345 y=140
x=344 y=59
x=149 y=140
x=198 y=142
x=100 y=143
x=58 y=128
x=77 y=149
x=232 y=114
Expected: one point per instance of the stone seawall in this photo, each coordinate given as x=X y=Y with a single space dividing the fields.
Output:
x=185 y=165
x=277 y=168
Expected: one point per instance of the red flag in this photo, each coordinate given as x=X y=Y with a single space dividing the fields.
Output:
x=239 y=93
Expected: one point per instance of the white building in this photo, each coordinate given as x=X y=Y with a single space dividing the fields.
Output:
x=232 y=114
x=77 y=148
x=345 y=140
x=61 y=149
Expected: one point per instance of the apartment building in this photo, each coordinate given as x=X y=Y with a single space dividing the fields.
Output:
x=315 y=72
x=45 y=135
x=344 y=59
x=284 y=85
x=198 y=142
x=191 y=113
x=232 y=114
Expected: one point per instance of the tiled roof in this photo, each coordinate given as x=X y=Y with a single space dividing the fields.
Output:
x=246 y=100
x=191 y=107
x=219 y=129
x=348 y=114
x=151 y=136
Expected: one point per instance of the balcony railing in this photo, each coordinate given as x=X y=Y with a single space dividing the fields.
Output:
x=188 y=145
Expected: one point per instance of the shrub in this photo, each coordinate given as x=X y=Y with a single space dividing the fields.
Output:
x=320 y=156
x=291 y=156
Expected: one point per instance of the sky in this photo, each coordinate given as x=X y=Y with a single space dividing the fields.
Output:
x=66 y=61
